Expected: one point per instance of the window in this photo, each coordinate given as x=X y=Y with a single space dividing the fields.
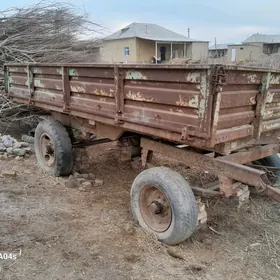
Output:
x=126 y=51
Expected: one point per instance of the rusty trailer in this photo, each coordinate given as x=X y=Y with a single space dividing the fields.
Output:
x=226 y=117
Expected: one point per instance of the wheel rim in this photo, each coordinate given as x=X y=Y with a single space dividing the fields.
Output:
x=155 y=208
x=47 y=150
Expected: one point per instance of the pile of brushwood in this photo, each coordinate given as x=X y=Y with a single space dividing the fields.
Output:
x=45 y=32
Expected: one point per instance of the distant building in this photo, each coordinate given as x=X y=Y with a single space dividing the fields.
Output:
x=141 y=42
x=253 y=46
x=218 y=50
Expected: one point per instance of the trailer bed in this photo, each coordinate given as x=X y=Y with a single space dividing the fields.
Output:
x=214 y=107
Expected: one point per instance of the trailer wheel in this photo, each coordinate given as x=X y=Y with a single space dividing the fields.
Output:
x=53 y=148
x=273 y=161
x=163 y=202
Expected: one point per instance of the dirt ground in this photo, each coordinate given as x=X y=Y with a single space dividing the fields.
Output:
x=61 y=233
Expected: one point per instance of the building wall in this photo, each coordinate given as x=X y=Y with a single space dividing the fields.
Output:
x=113 y=51
x=142 y=51
x=244 y=52
x=145 y=50
x=271 y=48
x=200 y=51
x=217 y=53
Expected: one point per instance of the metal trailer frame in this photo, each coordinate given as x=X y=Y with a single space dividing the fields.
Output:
x=229 y=169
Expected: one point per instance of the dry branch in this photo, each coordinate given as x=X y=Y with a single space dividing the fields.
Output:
x=45 y=32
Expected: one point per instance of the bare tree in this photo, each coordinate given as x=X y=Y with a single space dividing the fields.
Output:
x=44 y=32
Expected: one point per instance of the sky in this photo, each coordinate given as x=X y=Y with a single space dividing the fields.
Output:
x=230 y=21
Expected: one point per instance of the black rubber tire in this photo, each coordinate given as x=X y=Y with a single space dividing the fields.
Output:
x=63 y=147
x=181 y=199
x=273 y=161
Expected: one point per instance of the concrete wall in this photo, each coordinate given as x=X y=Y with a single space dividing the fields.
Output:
x=113 y=51
x=145 y=50
x=200 y=51
x=244 y=52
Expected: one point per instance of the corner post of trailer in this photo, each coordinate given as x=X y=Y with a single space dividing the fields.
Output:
x=156 y=51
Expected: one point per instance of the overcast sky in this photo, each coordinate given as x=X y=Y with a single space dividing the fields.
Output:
x=229 y=21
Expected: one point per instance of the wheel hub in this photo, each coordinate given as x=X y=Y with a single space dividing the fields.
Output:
x=47 y=150
x=155 y=208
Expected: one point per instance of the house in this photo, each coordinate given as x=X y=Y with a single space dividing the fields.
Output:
x=253 y=46
x=141 y=42
x=218 y=50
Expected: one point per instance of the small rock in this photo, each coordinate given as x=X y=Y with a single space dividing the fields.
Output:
x=85 y=176
x=7 y=141
x=98 y=182
x=136 y=163
x=71 y=183
x=91 y=176
x=27 y=138
x=3 y=157
x=19 y=152
x=17 y=145
x=82 y=189
x=24 y=145
x=129 y=229
x=9 y=173
x=18 y=158
x=9 y=151
x=28 y=149
x=2 y=148
x=80 y=180
x=87 y=185
x=76 y=174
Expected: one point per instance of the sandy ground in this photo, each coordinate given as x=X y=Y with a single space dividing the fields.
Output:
x=61 y=233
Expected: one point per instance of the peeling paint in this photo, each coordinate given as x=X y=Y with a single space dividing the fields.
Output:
x=135 y=75
x=193 y=77
x=179 y=111
x=271 y=126
x=38 y=83
x=193 y=103
x=271 y=113
x=73 y=72
x=103 y=93
x=204 y=94
x=253 y=100
x=59 y=71
x=251 y=78
x=137 y=96
x=275 y=79
x=77 y=88
x=269 y=97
